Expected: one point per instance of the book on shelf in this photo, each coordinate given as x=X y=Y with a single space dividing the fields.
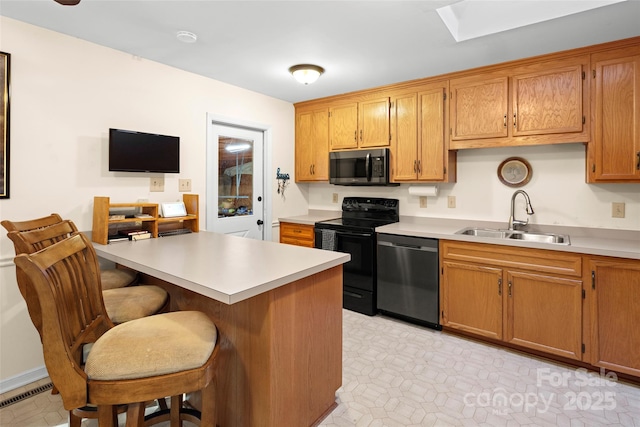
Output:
x=140 y=236
x=131 y=231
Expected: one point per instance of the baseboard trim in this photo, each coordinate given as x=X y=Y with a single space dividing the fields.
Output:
x=23 y=379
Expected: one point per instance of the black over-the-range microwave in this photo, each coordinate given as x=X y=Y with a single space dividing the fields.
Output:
x=359 y=167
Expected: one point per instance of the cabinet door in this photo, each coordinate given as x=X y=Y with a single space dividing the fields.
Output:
x=404 y=137
x=479 y=108
x=304 y=145
x=373 y=123
x=615 y=315
x=614 y=153
x=472 y=298
x=343 y=126
x=548 y=101
x=312 y=145
x=544 y=313
x=432 y=137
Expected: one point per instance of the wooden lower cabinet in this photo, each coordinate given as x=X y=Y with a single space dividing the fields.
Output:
x=526 y=297
x=297 y=234
x=471 y=300
x=544 y=313
x=615 y=314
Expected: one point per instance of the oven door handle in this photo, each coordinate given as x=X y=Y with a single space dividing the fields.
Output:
x=350 y=233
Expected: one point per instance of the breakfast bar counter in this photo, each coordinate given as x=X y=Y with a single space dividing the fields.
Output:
x=278 y=309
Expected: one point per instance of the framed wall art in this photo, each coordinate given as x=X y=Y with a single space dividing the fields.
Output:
x=514 y=172
x=5 y=63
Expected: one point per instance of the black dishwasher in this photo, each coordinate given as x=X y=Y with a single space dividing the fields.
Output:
x=408 y=279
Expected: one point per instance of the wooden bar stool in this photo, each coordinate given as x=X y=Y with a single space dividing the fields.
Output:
x=112 y=278
x=122 y=304
x=153 y=357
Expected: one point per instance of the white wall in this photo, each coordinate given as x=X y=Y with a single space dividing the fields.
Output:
x=65 y=95
x=557 y=189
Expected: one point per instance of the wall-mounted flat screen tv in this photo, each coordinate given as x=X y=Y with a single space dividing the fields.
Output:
x=131 y=151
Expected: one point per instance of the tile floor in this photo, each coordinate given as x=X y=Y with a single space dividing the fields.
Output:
x=397 y=374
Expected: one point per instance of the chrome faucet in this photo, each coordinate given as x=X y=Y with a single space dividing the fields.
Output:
x=513 y=223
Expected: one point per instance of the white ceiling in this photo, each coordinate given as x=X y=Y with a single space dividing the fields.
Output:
x=361 y=44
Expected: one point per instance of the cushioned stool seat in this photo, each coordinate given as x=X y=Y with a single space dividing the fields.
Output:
x=133 y=302
x=151 y=346
x=115 y=278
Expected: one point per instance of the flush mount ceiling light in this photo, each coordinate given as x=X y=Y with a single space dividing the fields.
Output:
x=186 y=37
x=469 y=19
x=306 y=73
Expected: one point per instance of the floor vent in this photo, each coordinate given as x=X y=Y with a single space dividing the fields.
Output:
x=25 y=395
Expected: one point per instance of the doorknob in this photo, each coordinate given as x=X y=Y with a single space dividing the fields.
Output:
x=260 y=222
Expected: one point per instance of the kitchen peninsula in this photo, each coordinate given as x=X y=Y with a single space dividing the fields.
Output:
x=278 y=309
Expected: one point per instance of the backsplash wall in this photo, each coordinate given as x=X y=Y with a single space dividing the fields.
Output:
x=557 y=189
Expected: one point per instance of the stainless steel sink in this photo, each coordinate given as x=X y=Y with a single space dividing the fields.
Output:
x=485 y=232
x=560 y=239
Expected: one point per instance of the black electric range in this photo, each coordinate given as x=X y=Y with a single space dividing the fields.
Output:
x=354 y=233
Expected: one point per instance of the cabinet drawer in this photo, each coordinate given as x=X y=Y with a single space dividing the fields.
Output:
x=296 y=234
x=297 y=242
x=538 y=260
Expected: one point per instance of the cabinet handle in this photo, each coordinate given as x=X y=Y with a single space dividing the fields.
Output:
x=419 y=166
x=360 y=134
x=499 y=286
x=514 y=120
x=504 y=121
x=355 y=135
x=509 y=287
x=313 y=169
x=638 y=162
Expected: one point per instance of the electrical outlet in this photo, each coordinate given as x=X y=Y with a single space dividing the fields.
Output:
x=157 y=184
x=423 y=201
x=184 y=185
x=335 y=198
x=617 y=210
x=451 y=201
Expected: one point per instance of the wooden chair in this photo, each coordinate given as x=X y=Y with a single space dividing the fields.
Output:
x=123 y=304
x=167 y=354
x=111 y=278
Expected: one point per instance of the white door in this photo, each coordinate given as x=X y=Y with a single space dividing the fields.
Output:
x=235 y=188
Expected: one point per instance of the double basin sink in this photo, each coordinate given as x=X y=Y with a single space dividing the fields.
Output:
x=560 y=239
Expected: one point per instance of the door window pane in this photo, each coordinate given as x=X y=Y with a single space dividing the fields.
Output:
x=235 y=177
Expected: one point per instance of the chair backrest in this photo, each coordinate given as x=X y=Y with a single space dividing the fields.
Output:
x=31 y=224
x=27 y=242
x=65 y=277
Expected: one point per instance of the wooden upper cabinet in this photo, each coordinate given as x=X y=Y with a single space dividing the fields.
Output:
x=373 y=123
x=404 y=137
x=548 y=101
x=543 y=103
x=479 y=108
x=312 y=145
x=343 y=126
x=362 y=124
x=419 y=143
x=614 y=152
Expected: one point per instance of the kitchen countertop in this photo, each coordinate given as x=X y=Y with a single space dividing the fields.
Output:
x=225 y=268
x=312 y=217
x=584 y=240
x=592 y=241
